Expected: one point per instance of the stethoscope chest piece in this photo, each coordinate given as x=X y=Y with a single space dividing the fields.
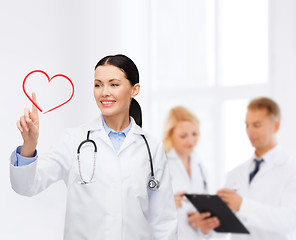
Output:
x=153 y=184
x=82 y=182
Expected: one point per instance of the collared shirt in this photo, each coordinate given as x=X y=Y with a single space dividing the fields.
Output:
x=268 y=157
x=17 y=159
x=116 y=138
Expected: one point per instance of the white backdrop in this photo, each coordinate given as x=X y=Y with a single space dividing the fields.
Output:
x=69 y=37
x=59 y=37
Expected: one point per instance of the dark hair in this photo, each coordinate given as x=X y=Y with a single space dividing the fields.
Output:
x=132 y=74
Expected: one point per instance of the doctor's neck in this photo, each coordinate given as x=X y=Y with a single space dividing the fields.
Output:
x=185 y=158
x=117 y=123
x=260 y=151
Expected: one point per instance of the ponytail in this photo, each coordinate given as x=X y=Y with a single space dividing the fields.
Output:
x=135 y=112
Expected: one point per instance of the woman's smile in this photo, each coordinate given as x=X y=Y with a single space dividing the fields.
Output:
x=108 y=103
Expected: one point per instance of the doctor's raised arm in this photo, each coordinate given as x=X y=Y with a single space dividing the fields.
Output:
x=29 y=128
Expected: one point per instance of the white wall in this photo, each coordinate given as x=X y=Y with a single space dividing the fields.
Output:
x=67 y=37
x=283 y=66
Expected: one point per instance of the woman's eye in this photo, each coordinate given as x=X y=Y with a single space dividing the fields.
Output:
x=98 y=85
x=114 y=85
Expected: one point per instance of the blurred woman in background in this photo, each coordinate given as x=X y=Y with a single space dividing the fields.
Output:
x=182 y=131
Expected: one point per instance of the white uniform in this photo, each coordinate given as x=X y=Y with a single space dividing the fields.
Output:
x=182 y=183
x=118 y=205
x=268 y=209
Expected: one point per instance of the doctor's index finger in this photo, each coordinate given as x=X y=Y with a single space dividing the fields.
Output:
x=34 y=108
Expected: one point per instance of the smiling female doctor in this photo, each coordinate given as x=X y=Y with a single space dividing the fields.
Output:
x=118 y=186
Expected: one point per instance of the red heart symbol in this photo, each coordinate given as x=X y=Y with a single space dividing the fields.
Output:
x=49 y=79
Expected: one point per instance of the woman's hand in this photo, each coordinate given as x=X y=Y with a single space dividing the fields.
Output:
x=29 y=128
x=203 y=221
x=178 y=199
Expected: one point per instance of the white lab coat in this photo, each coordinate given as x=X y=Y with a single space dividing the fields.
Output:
x=268 y=209
x=118 y=205
x=182 y=183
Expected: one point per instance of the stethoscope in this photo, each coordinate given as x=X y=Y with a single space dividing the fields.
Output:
x=203 y=177
x=153 y=183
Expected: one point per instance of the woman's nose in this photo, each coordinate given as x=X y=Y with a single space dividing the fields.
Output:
x=191 y=141
x=105 y=91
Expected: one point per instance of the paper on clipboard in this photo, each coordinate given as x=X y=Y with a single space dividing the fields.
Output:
x=212 y=203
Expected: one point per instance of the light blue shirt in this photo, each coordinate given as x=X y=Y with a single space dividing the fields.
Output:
x=116 y=138
x=18 y=160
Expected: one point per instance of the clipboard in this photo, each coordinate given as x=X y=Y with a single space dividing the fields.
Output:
x=229 y=223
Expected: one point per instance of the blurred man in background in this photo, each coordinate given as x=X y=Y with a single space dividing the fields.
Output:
x=262 y=191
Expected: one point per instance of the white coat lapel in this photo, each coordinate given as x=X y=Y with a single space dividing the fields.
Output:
x=180 y=166
x=266 y=167
x=132 y=136
x=271 y=160
x=198 y=177
x=184 y=173
x=104 y=137
x=99 y=131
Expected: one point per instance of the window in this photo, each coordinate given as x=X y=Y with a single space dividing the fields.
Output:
x=211 y=57
x=237 y=148
x=242 y=30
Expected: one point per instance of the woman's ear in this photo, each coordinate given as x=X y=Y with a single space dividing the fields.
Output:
x=135 y=90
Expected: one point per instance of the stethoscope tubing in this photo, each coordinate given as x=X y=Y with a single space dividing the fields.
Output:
x=94 y=162
x=153 y=183
x=150 y=157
